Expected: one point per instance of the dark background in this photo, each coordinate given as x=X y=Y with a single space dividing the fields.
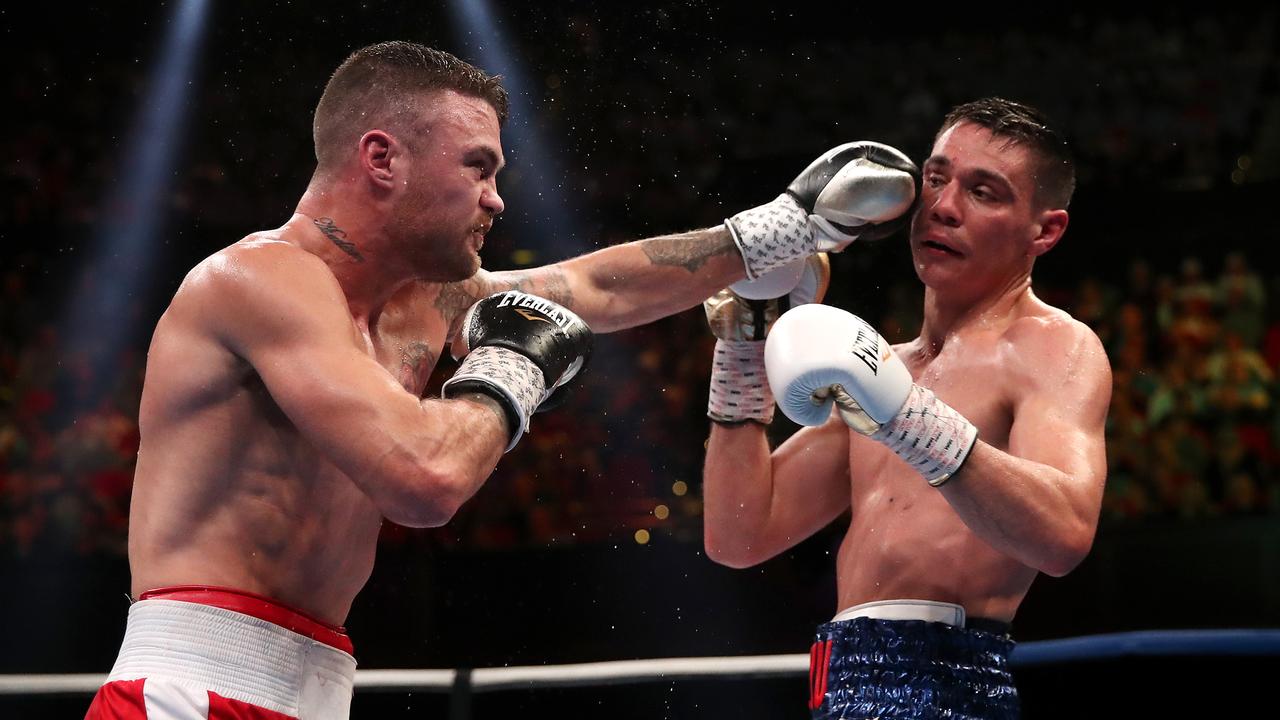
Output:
x=650 y=120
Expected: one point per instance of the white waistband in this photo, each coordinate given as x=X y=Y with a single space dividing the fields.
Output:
x=236 y=656
x=927 y=610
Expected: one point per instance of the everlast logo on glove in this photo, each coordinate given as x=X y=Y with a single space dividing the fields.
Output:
x=523 y=351
x=866 y=347
x=551 y=311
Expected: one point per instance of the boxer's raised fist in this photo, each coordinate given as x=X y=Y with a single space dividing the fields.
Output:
x=857 y=190
x=522 y=349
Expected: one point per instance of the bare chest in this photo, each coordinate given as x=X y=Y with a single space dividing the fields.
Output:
x=975 y=381
x=410 y=335
x=409 y=347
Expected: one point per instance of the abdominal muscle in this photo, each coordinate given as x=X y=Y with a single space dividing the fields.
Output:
x=905 y=542
x=228 y=494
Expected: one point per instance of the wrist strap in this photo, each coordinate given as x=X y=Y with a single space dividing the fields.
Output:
x=515 y=380
x=772 y=235
x=929 y=435
x=739 y=386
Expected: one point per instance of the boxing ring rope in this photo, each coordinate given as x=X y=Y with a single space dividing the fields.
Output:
x=1236 y=642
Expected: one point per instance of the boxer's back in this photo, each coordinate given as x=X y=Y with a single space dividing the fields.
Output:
x=226 y=491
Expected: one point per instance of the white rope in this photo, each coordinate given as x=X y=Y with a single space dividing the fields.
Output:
x=405 y=679
x=50 y=684
x=1243 y=642
x=498 y=678
x=624 y=671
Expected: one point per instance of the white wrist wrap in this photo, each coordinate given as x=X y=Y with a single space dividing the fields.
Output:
x=739 y=388
x=929 y=435
x=515 y=376
x=772 y=235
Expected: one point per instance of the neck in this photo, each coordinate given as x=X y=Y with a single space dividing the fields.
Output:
x=946 y=314
x=347 y=238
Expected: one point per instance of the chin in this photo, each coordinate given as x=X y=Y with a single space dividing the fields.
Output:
x=468 y=267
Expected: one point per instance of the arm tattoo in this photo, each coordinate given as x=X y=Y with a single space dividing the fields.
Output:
x=556 y=288
x=338 y=237
x=518 y=281
x=686 y=251
x=548 y=282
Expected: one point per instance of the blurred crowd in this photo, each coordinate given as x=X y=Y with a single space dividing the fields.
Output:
x=661 y=135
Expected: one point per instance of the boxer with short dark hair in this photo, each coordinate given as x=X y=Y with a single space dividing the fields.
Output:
x=282 y=416
x=970 y=458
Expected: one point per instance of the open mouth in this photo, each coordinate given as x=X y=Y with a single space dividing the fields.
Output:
x=940 y=247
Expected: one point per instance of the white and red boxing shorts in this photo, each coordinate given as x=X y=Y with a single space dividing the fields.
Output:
x=202 y=653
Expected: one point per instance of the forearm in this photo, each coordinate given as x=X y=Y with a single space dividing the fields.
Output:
x=436 y=459
x=473 y=432
x=638 y=282
x=737 y=494
x=1030 y=511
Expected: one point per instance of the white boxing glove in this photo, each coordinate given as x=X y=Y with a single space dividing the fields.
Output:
x=859 y=190
x=817 y=357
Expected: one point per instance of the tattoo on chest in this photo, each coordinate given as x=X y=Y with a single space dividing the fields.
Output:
x=416 y=362
x=686 y=252
x=338 y=237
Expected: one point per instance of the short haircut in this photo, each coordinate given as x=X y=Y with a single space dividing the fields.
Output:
x=380 y=82
x=1026 y=126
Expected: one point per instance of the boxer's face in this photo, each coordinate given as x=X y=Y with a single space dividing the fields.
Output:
x=977 y=215
x=450 y=193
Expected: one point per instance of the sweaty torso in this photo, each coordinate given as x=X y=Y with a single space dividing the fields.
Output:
x=228 y=493
x=904 y=539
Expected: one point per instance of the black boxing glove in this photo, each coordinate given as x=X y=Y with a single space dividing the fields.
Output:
x=859 y=190
x=523 y=349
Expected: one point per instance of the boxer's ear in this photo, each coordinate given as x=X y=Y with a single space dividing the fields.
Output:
x=1052 y=224
x=377 y=148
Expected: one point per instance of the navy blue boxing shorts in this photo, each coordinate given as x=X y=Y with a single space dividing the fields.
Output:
x=869 y=662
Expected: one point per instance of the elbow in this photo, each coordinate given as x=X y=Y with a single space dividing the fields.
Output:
x=426 y=512
x=425 y=495
x=735 y=552
x=1068 y=554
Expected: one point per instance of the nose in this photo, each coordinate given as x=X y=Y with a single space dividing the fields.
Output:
x=944 y=207
x=490 y=200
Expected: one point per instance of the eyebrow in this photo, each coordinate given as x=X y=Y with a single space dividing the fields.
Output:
x=489 y=155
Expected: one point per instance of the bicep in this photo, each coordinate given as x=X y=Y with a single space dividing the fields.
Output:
x=1059 y=420
x=298 y=336
x=811 y=476
x=340 y=399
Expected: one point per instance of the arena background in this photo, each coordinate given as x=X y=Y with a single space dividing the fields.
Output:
x=630 y=121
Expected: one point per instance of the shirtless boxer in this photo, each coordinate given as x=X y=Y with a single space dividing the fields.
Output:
x=971 y=458
x=282 y=418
